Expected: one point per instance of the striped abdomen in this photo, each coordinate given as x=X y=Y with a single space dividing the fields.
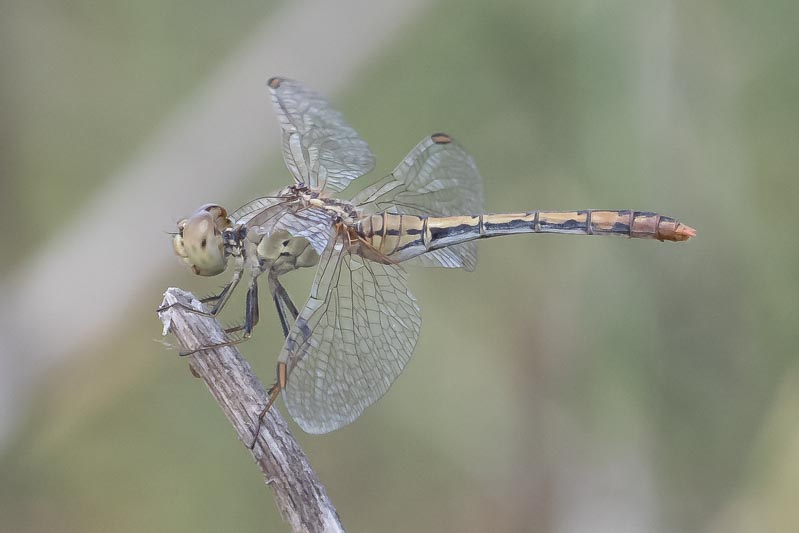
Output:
x=401 y=237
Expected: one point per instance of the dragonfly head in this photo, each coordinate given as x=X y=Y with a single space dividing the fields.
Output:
x=199 y=242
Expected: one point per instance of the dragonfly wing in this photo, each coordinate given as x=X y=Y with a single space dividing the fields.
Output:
x=319 y=147
x=437 y=178
x=245 y=213
x=312 y=223
x=351 y=340
x=270 y=214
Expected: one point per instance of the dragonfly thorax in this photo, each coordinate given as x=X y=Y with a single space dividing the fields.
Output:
x=339 y=211
x=281 y=252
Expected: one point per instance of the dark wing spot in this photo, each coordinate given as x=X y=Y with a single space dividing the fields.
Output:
x=204 y=243
x=286 y=242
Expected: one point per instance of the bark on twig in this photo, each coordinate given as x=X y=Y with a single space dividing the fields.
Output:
x=300 y=496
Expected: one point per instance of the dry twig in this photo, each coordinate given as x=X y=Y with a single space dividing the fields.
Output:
x=300 y=496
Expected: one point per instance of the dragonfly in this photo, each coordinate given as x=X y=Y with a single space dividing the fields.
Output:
x=357 y=331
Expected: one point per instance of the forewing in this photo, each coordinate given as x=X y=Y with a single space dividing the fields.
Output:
x=245 y=213
x=312 y=223
x=437 y=178
x=351 y=340
x=319 y=147
x=269 y=214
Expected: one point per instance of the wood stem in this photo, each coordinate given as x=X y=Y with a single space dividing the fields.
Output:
x=300 y=497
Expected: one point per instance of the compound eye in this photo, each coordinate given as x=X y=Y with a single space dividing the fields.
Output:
x=199 y=242
x=179 y=246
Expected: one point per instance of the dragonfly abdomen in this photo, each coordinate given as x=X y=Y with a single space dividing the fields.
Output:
x=633 y=224
x=401 y=237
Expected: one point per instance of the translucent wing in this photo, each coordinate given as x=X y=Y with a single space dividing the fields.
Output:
x=312 y=223
x=274 y=213
x=319 y=147
x=351 y=341
x=245 y=213
x=437 y=178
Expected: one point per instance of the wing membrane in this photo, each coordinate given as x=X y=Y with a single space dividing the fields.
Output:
x=437 y=178
x=274 y=213
x=245 y=213
x=351 y=340
x=319 y=147
x=311 y=222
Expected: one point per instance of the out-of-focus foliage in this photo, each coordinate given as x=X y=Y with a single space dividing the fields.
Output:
x=84 y=82
x=568 y=383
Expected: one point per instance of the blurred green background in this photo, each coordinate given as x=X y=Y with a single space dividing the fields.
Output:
x=569 y=384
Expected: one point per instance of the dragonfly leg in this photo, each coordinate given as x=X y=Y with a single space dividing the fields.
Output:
x=188 y=308
x=284 y=295
x=221 y=299
x=283 y=304
x=251 y=313
x=274 y=392
x=231 y=342
x=250 y=319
